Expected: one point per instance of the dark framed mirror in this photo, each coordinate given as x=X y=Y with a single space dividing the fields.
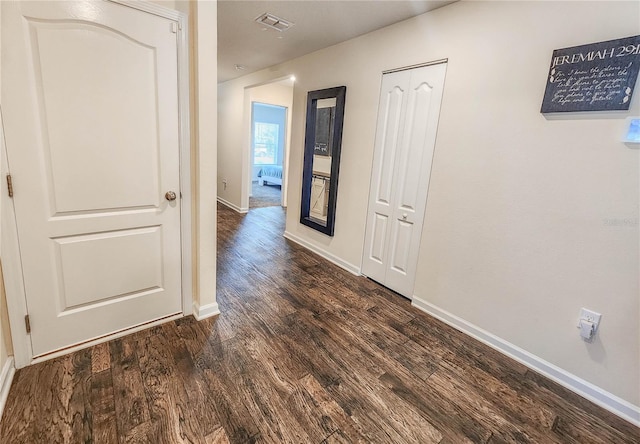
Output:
x=323 y=140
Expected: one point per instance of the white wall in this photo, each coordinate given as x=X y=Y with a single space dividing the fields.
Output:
x=232 y=136
x=516 y=238
x=517 y=234
x=204 y=74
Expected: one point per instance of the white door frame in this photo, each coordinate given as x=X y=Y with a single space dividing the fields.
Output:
x=9 y=245
x=247 y=150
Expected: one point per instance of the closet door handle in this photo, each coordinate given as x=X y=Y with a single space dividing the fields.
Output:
x=404 y=216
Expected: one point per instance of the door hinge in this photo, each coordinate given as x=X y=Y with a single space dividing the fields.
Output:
x=27 y=323
x=174 y=27
x=9 y=185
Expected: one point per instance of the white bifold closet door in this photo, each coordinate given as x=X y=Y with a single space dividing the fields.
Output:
x=405 y=140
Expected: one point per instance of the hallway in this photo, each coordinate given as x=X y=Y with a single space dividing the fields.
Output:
x=303 y=352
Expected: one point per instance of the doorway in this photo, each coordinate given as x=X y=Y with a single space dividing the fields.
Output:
x=268 y=136
x=267 y=119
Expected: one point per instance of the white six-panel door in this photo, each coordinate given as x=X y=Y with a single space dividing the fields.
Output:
x=405 y=140
x=90 y=101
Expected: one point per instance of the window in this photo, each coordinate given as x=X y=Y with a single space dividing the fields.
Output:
x=265 y=143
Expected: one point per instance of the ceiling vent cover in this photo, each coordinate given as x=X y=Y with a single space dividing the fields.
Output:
x=274 y=22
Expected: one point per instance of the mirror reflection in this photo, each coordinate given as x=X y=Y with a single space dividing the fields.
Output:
x=321 y=167
x=325 y=111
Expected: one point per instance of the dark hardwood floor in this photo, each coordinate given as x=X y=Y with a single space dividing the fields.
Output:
x=303 y=352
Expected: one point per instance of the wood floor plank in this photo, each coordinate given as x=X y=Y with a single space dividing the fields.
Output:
x=100 y=358
x=238 y=423
x=200 y=402
x=130 y=399
x=400 y=422
x=55 y=426
x=281 y=368
x=169 y=407
x=218 y=436
x=579 y=424
x=492 y=415
x=517 y=406
x=379 y=415
x=452 y=421
x=59 y=412
x=338 y=437
x=384 y=343
x=302 y=352
x=316 y=362
x=208 y=355
x=263 y=401
x=20 y=419
x=314 y=407
x=82 y=409
x=104 y=410
x=442 y=342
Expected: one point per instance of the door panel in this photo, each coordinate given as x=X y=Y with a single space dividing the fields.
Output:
x=401 y=247
x=413 y=152
x=426 y=86
x=84 y=94
x=94 y=265
x=406 y=173
x=388 y=138
x=89 y=93
x=378 y=238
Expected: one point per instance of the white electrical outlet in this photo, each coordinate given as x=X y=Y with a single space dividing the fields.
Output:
x=590 y=316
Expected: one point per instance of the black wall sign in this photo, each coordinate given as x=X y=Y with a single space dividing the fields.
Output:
x=596 y=77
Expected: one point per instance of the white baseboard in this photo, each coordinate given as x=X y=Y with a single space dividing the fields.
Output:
x=6 y=377
x=232 y=206
x=593 y=393
x=205 y=311
x=325 y=254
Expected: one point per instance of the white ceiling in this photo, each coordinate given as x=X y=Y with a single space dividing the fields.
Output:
x=318 y=24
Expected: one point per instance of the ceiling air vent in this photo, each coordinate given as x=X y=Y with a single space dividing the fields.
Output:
x=274 y=22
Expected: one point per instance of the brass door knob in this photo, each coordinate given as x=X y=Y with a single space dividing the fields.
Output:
x=170 y=196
